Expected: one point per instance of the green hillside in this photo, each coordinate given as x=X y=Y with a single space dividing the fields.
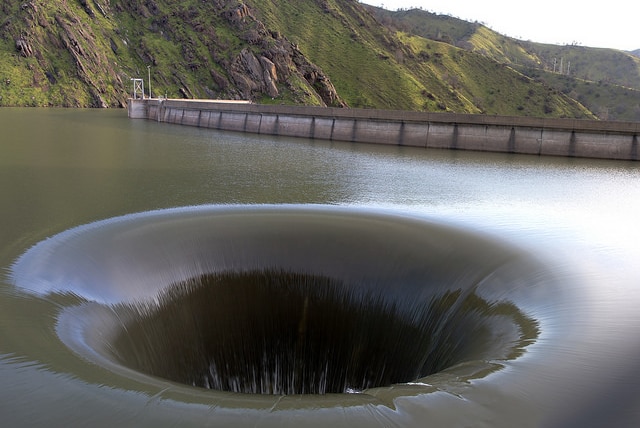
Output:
x=606 y=81
x=83 y=53
x=374 y=67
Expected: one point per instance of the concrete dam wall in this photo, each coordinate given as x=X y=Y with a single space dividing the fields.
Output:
x=523 y=135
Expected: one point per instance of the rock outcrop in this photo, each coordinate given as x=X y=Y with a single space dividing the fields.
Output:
x=256 y=69
x=24 y=47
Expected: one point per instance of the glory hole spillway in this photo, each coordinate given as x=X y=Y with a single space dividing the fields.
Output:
x=334 y=285
x=282 y=300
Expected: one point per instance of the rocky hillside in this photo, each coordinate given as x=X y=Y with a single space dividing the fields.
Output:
x=84 y=53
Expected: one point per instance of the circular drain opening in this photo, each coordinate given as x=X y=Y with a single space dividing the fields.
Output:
x=277 y=332
x=284 y=300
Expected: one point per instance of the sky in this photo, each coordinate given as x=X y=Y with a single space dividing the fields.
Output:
x=606 y=24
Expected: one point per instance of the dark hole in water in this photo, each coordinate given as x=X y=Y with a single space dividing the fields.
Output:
x=276 y=332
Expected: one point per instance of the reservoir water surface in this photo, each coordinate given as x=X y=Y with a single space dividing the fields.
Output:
x=139 y=261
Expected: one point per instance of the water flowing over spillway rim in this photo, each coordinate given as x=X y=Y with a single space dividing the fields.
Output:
x=44 y=282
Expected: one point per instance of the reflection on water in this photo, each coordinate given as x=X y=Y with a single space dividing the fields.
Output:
x=575 y=220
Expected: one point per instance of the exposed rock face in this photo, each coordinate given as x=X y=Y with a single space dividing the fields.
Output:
x=238 y=13
x=270 y=76
x=317 y=79
x=255 y=74
x=24 y=48
x=273 y=60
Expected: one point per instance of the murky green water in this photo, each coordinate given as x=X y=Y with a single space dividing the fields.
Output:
x=542 y=253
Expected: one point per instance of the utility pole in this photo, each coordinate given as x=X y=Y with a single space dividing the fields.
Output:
x=149 y=69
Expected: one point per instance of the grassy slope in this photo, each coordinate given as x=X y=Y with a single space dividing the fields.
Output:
x=595 y=64
x=373 y=67
x=494 y=88
x=163 y=39
x=608 y=101
x=606 y=81
x=338 y=39
x=50 y=76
